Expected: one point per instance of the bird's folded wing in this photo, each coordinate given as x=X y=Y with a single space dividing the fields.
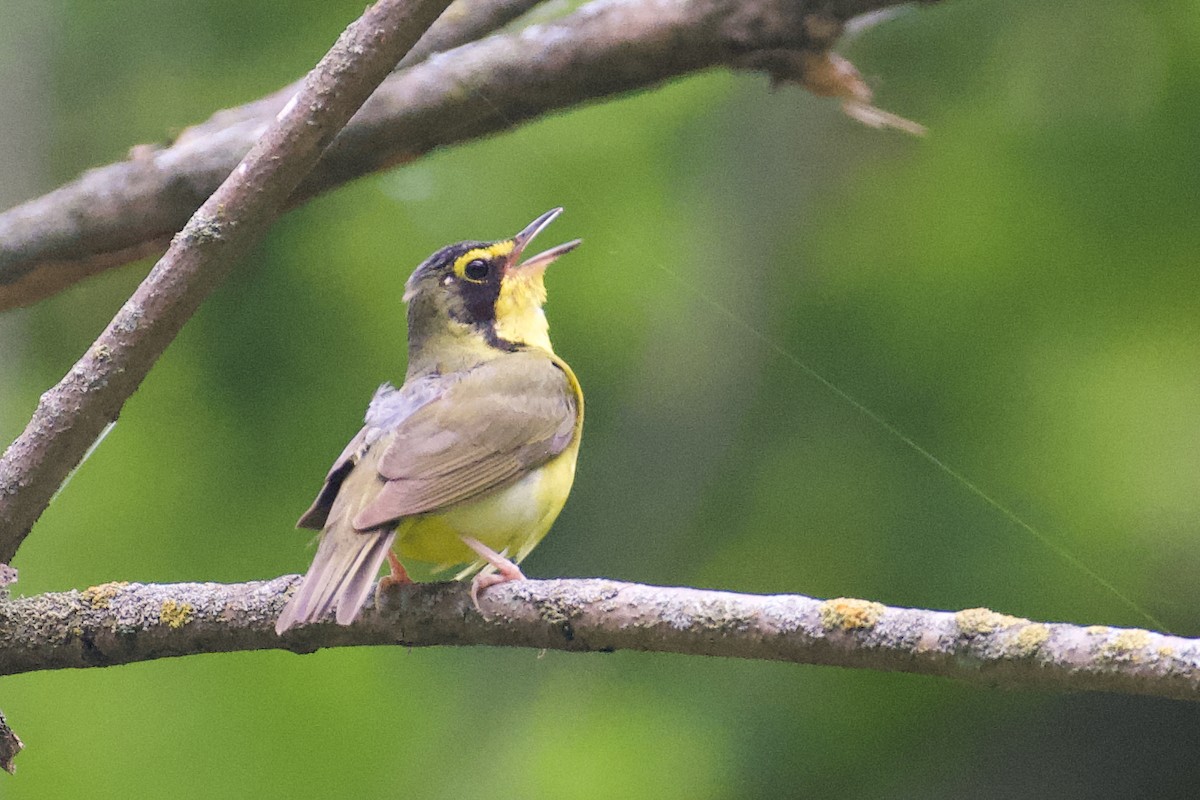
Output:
x=388 y=406
x=318 y=512
x=487 y=429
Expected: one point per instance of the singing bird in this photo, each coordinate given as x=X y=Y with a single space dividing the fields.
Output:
x=471 y=460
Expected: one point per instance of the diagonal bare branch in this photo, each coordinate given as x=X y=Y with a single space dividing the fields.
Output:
x=71 y=415
x=128 y=210
x=120 y=623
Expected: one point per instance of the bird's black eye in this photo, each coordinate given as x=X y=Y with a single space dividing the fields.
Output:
x=477 y=270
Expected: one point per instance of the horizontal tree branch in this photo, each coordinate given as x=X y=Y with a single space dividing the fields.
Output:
x=127 y=210
x=120 y=623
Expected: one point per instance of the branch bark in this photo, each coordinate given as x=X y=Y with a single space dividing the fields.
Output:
x=127 y=210
x=10 y=746
x=463 y=21
x=120 y=623
x=71 y=416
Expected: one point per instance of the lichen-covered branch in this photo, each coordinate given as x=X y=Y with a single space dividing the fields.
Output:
x=72 y=414
x=119 y=623
x=127 y=210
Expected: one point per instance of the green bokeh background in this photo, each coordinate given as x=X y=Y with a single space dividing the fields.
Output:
x=1018 y=293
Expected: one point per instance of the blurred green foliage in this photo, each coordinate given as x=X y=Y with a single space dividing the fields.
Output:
x=1018 y=293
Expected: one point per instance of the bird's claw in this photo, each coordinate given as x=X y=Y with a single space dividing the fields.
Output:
x=498 y=570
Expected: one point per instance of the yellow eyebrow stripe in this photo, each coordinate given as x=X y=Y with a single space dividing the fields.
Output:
x=497 y=250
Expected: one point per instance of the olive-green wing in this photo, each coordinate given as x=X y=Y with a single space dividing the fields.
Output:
x=490 y=427
x=318 y=512
x=388 y=406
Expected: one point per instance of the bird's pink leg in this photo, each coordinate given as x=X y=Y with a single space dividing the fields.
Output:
x=399 y=576
x=498 y=570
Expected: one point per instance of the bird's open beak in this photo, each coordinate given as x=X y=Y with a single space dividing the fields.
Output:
x=541 y=260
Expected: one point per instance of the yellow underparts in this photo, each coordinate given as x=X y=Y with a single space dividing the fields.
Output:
x=511 y=520
x=519 y=315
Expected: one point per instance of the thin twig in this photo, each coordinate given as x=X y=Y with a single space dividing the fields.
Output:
x=124 y=211
x=119 y=623
x=465 y=21
x=71 y=415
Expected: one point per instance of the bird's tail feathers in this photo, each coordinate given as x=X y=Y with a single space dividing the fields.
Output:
x=341 y=576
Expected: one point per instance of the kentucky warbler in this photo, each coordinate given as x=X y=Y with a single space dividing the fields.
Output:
x=470 y=461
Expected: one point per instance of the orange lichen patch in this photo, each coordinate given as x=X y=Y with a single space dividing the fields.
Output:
x=1126 y=645
x=976 y=621
x=850 y=614
x=101 y=596
x=1029 y=639
x=175 y=614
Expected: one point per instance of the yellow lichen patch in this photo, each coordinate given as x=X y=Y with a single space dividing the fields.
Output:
x=101 y=596
x=976 y=621
x=1029 y=639
x=850 y=614
x=1166 y=651
x=1125 y=645
x=175 y=614
x=1096 y=630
